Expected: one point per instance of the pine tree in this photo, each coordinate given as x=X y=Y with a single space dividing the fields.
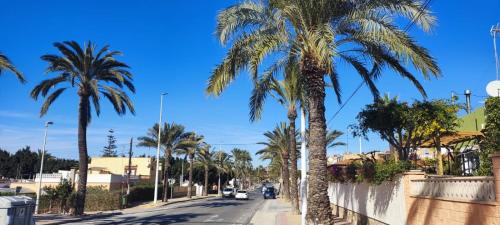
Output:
x=110 y=149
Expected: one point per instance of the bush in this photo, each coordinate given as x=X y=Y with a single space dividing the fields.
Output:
x=491 y=132
x=386 y=171
x=100 y=199
x=369 y=171
x=143 y=192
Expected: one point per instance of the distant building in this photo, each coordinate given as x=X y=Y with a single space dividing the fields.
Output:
x=141 y=167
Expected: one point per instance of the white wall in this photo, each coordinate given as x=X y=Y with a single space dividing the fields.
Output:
x=384 y=202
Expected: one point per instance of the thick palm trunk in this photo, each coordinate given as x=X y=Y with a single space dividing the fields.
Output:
x=205 y=186
x=286 y=177
x=83 y=112
x=189 y=195
x=319 y=210
x=294 y=194
x=165 y=175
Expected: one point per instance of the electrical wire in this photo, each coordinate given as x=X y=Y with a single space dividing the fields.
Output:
x=407 y=28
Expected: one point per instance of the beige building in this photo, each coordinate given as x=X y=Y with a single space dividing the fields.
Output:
x=141 y=167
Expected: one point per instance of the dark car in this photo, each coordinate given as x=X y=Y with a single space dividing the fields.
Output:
x=269 y=193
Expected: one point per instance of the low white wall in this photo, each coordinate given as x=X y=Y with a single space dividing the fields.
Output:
x=384 y=202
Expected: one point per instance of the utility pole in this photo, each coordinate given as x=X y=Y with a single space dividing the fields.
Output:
x=303 y=166
x=158 y=150
x=129 y=166
x=220 y=166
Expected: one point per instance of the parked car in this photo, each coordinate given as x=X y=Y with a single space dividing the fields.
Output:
x=269 y=193
x=241 y=195
x=228 y=193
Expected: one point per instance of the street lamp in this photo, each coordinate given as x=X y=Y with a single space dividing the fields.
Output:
x=158 y=150
x=38 y=193
x=303 y=166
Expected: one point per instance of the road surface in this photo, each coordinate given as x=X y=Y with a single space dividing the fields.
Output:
x=216 y=211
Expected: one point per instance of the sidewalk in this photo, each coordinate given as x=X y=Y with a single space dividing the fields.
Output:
x=279 y=212
x=60 y=219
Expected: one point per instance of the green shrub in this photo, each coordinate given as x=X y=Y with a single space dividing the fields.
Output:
x=100 y=199
x=7 y=193
x=386 y=171
x=491 y=131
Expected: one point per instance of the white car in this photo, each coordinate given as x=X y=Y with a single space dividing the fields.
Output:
x=228 y=193
x=241 y=195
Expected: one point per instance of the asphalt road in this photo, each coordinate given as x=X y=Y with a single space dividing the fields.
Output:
x=216 y=211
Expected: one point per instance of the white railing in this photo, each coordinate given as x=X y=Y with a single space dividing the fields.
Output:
x=456 y=188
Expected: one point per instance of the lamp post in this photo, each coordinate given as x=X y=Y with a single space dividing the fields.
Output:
x=158 y=150
x=38 y=193
x=303 y=166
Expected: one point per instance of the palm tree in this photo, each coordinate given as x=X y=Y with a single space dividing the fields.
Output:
x=224 y=164
x=93 y=75
x=173 y=137
x=331 y=137
x=276 y=149
x=204 y=159
x=5 y=64
x=288 y=93
x=319 y=33
x=190 y=147
x=242 y=165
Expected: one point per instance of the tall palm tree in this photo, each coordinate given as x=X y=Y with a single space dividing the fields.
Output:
x=190 y=147
x=276 y=149
x=224 y=164
x=5 y=64
x=173 y=137
x=242 y=165
x=93 y=74
x=290 y=94
x=204 y=159
x=319 y=33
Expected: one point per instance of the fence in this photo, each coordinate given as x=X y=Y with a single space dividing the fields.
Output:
x=457 y=188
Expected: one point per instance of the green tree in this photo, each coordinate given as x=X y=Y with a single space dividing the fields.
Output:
x=398 y=123
x=5 y=163
x=110 y=149
x=224 y=164
x=172 y=138
x=289 y=94
x=6 y=64
x=25 y=162
x=276 y=149
x=94 y=74
x=491 y=142
x=242 y=165
x=442 y=115
x=204 y=159
x=320 y=33
x=189 y=148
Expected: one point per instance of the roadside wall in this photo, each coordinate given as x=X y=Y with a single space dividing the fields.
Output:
x=363 y=203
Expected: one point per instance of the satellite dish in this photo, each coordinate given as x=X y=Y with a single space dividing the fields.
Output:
x=493 y=88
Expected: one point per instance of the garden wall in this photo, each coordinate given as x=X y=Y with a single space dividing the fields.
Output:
x=364 y=203
x=415 y=199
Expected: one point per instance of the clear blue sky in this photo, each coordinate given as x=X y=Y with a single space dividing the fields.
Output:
x=171 y=47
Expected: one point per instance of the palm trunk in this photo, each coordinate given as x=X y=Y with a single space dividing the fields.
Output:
x=319 y=210
x=165 y=175
x=189 y=195
x=83 y=113
x=205 y=187
x=292 y=115
x=286 y=177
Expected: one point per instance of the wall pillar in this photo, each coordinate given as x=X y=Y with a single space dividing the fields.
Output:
x=409 y=201
x=495 y=158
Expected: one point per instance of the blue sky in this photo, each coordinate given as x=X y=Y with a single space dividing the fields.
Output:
x=171 y=47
